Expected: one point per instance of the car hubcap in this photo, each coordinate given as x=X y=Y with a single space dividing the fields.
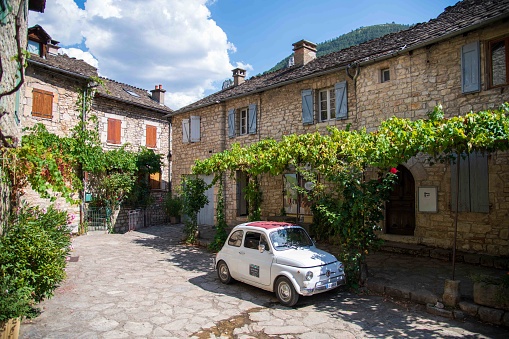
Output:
x=284 y=291
x=224 y=272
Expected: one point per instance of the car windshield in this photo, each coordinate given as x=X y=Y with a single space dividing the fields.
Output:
x=290 y=237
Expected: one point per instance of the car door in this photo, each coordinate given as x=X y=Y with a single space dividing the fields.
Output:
x=255 y=264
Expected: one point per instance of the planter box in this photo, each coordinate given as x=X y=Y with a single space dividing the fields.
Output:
x=491 y=295
x=10 y=329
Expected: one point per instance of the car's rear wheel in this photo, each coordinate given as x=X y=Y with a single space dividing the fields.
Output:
x=285 y=292
x=223 y=272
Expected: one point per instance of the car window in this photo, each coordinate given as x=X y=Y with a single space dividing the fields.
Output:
x=291 y=237
x=252 y=240
x=236 y=238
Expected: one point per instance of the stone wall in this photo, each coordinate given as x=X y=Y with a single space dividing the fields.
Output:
x=10 y=124
x=420 y=79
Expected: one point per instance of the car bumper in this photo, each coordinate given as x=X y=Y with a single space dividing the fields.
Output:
x=324 y=285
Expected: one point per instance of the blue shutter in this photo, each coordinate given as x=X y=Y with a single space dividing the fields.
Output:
x=307 y=107
x=464 y=190
x=479 y=198
x=195 y=128
x=470 y=68
x=341 y=100
x=231 y=123
x=252 y=119
x=186 y=131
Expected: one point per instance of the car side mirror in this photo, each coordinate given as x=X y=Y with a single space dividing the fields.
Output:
x=261 y=248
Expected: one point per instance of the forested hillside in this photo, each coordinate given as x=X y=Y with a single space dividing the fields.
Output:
x=355 y=37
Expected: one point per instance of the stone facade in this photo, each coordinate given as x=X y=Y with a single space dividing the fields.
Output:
x=420 y=79
x=132 y=106
x=10 y=124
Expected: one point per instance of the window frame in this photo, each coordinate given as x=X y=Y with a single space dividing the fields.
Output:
x=42 y=100
x=489 y=63
x=383 y=73
x=243 y=121
x=330 y=101
x=237 y=242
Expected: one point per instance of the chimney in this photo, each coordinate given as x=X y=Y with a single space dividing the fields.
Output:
x=158 y=94
x=238 y=76
x=304 y=52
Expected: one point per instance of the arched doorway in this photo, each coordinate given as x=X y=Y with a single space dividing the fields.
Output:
x=400 y=209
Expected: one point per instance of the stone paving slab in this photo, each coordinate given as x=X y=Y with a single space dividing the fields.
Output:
x=145 y=284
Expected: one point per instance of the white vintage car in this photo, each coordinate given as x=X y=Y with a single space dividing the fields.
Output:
x=278 y=257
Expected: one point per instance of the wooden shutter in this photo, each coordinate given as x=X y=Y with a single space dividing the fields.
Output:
x=151 y=138
x=42 y=103
x=307 y=107
x=470 y=68
x=155 y=181
x=195 y=128
x=231 y=123
x=114 y=128
x=186 y=131
x=252 y=119
x=341 y=100
x=479 y=197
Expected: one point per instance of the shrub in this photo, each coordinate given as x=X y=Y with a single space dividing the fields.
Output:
x=33 y=251
x=173 y=205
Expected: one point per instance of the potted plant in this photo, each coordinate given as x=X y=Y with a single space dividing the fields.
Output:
x=173 y=208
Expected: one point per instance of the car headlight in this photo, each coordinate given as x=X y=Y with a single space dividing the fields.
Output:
x=309 y=275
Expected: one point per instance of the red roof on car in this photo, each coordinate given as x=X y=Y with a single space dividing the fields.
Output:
x=268 y=224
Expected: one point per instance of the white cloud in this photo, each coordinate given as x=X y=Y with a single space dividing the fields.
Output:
x=80 y=55
x=144 y=43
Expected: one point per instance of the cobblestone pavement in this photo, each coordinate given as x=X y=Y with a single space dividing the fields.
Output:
x=145 y=284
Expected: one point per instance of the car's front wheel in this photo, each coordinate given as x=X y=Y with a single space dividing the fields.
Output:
x=285 y=292
x=224 y=273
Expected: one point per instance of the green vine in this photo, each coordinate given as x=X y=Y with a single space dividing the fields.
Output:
x=254 y=198
x=193 y=199
x=347 y=207
x=220 y=235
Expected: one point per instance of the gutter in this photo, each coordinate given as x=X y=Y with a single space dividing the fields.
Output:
x=365 y=63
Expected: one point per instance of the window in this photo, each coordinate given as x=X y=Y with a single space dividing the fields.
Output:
x=385 y=75
x=114 y=131
x=327 y=104
x=255 y=239
x=34 y=47
x=236 y=238
x=151 y=136
x=473 y=183
x=155 y=181
x=242 y=203
x=191 y=129
x=498 y=62
x=242 y=121
x=42 y=103
x=331 y=104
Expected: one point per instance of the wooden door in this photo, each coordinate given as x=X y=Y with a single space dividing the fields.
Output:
x=400 y=209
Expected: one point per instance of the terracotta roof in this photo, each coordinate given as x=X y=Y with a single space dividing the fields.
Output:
x=115 y=91
x=462 y=17
x=130 y=94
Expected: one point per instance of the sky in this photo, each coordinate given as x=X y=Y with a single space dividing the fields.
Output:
x=191 y=46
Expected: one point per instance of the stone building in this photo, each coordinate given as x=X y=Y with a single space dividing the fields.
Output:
x=13 y=39
x=459 y=60
x=126 y=114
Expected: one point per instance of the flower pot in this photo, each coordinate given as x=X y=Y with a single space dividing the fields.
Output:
x=175 y=220
x=10 y=329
